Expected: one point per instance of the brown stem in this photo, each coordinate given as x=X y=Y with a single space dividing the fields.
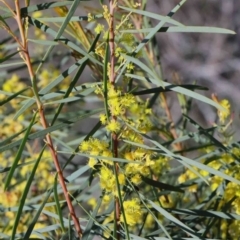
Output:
x=24 y=48
x=112 y=5
x=111 y=41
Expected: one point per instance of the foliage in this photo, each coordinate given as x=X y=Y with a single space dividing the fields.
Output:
x=134 y=173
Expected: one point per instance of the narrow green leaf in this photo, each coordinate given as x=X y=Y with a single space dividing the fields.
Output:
x=153 y=15
x=65 y=100
x=155 y=218
x=5 y=58
x=43 y=42
x=72 y=19
x=185 y=29
x=161 y=185
x=30 y=207
x=102 y=157
x=77 y=173
x=19 y=153
x=167 y=215
x=64 y=123
x=75 y=98
x=77 y=89
x=35 y=219
x=59 y=210
x=3 y=22
x=168 y=88
x=11 y=64
x=180 y=90
x=59 y=79
x=144 y=67
x=6 y=169
x=162 y=152
x=206 y=213
x=42 y=6
x=87 y=232
x=47 y=229
x=24 y=194
x=13 y=96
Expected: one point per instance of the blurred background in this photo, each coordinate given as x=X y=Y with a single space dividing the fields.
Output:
x=212 y=60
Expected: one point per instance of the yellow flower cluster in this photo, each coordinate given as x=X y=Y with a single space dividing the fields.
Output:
x=126 y=107
x=99 y=28
x=13 y=85
x=96 y=147
x=224 y=114
x=107 y=179
x=9 y=126
x=134 y=170
x=106 y=13
x=133 y=212
x=10 y=198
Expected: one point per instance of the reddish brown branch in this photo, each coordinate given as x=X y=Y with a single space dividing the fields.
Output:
x=111 y=41
x=112 y=5
x=24 y=48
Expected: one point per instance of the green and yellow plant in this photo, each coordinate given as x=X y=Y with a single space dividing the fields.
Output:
x=132 y=177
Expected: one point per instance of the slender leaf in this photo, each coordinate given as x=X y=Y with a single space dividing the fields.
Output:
x=24 y=194
x=72 y=19
x=87 y=232
x=153 y=15
x=5 y=58
x=180 y=90
x=143 y=67
x=12 y=96
x=43 y=42
x=6 y=169
x=35 y=219
x=161 y=185
x=42 y=6
x=64 y=123
x=185 y=29
x=77 y=173
x=102 y=157
x=59 y=211
x=19 y=153
x=11 y=64
x=173 y=219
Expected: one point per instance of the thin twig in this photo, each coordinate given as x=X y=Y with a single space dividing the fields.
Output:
x=24 y=48
x=112 y=5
